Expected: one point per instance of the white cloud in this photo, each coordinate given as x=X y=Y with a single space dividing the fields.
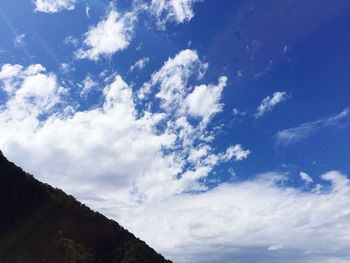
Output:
x=115 y=32
x=340 y=182
x=173 y=78
x=249 y=221
x=237 y=152
x=31 y=92
x=178 y=98
x=7 y=75
x=19 y=40
x=238 y=114
x=305 y=130
x=204 y=100
x=70 y=40
x=66 y=68
x=54 y=6
x=177 y=11
x=122 y=147
x=306 y=178
x=135 y=152
x=87 y=11
x=109 y=36
x=147 y=168
x=198 y=153
x=87 y=85
x=275 y=247
x=239 y=73
x=269 y=103
x=140 y=64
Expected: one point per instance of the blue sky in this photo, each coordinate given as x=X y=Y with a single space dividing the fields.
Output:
x=200 y=126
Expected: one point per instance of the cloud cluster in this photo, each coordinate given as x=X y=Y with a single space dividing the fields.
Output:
x=269 y=103
x=135 y=153
x=163 y=11
x=115 y=32
x=147 y=167
x=146 y=156
x=54 y=6
x=173 y=78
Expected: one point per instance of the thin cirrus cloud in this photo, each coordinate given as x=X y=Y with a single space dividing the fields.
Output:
x=54 y=6
x=269 y=103
x=294 y=135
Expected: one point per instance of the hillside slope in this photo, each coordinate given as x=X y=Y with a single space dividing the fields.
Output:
x=41 y=224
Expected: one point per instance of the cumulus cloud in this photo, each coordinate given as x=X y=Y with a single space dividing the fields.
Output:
x=305 y=130
x=110 y=136
x=269 y=103
x=110 y=35
x=173 y=78
x=177 y=11
x=29 y=90
x=135 y=153
x=115 y=32
x=54 y=6
x=204 y=100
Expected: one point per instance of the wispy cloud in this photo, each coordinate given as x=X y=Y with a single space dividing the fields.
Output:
x=87 y=11
x=304 y=130
x=140 y=64
x=270 y=102
x=306 y=178
x=19 y=40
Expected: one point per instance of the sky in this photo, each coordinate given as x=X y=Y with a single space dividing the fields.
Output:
x=216 y=131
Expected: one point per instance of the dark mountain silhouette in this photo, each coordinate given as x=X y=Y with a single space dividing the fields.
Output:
x=41 y=224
